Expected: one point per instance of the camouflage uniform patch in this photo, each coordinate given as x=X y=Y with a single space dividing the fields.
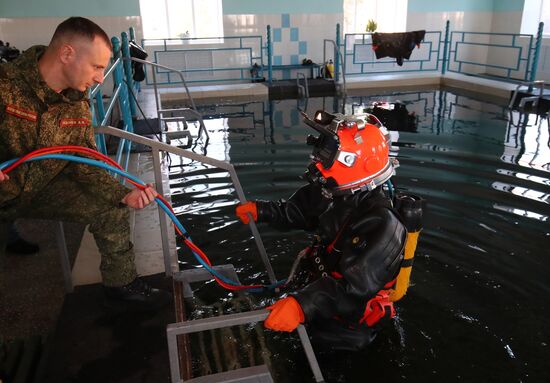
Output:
x=32 y=116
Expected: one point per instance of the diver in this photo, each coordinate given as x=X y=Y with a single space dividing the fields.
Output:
x=343 y=285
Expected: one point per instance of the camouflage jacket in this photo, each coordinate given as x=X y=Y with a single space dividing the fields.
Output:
x=33 y=116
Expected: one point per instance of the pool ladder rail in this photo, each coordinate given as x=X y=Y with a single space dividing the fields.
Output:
x=530 y=100
x=303 y=90
x=180 y=117
x=259 y=374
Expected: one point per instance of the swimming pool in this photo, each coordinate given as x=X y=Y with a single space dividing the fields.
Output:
x=477 y=309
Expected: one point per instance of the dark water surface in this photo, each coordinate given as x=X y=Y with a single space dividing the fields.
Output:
x=478 y=307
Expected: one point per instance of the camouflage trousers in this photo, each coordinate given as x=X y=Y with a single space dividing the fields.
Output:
x=65 y=200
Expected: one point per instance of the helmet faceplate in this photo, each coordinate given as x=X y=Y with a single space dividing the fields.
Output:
x=351 y=154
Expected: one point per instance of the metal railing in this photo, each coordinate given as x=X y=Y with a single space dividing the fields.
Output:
x=515 y=56
x=360 y=59
x=338 y=60
x=533 y=100
x=167 y=115
x=188 y=327
x=499 y=56
x=156 y=147
x=504 y=55
x=102 y=111
x=123 y=96
x=207 y=59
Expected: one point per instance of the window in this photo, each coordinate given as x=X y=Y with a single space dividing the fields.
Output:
x=181 y=18
x=390 y=15
x=535 y=11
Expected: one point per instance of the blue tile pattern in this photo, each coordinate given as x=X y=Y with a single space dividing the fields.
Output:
x=277 y=35
x=293 y=34
x=285 y=20
x=287 y=47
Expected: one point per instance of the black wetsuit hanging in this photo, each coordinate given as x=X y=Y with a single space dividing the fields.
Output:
x=396 y=45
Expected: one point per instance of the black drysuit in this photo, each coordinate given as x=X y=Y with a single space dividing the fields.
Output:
x=396 y=45
x=368 y=241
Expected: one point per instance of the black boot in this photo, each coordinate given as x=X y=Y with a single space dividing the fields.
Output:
x=137 y=295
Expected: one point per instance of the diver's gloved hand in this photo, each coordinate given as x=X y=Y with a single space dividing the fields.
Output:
x=286 y=314
x=243 y=209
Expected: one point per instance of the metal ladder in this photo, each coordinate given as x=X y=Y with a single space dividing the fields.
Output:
x=184 y=278
x=182 y=115
x=259 y=373
x=303 y=90
x=525 y=101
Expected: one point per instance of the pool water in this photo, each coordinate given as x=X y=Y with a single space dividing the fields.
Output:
x=478 y=306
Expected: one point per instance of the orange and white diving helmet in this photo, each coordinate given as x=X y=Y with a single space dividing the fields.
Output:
x=351 y=153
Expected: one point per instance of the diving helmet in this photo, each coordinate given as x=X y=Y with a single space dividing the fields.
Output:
x=350 y=154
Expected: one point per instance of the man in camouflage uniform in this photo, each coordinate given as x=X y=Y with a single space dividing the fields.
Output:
x=43 y=103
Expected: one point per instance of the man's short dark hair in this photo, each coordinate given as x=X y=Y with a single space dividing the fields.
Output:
x=79 y=26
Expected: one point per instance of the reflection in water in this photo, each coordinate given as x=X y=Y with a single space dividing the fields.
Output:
x=522 y=192
x=521 y=213
x=527 y=142
x=476 y=310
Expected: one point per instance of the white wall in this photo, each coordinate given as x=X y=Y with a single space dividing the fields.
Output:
x=23 y=33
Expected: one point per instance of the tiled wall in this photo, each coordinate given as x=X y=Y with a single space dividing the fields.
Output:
x=295 y=36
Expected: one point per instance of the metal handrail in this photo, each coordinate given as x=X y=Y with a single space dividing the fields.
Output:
x=530 y=85
x=528 y=59
x=193 y=109
x=339 y=54
x=187 y=327
x=252 y=44
x=156 y=148
x=303 y=90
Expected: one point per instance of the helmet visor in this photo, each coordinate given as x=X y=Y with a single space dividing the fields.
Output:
x=325 y=149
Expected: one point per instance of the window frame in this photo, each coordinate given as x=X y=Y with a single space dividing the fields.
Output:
x=171 y=38
x=532 y=15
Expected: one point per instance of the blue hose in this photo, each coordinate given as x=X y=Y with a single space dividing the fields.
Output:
x=129 y=176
